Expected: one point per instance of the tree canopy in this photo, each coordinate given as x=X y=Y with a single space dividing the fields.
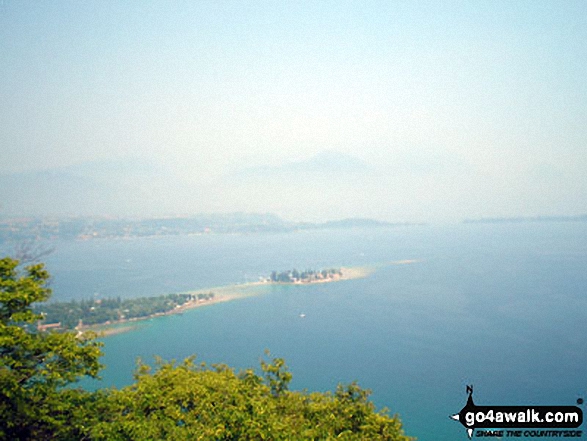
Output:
x=35 y=365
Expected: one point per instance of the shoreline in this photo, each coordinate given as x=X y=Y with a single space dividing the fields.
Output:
x=118 y=327
x=225 y=293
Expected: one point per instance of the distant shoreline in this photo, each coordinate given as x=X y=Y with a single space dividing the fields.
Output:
x=83 y=228
x=222 y=294
x=524 y=219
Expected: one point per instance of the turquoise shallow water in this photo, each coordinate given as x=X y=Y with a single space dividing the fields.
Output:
x=500 y=306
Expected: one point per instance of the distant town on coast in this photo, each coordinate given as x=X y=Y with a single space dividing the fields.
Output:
x=84 y=228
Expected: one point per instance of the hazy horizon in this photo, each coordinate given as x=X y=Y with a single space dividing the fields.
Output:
x=397 y=111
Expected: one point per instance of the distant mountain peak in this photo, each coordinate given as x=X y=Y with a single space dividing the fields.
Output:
x=333 y=161
x=326 y=162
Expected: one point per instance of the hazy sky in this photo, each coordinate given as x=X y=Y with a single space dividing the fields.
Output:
x=458 y=108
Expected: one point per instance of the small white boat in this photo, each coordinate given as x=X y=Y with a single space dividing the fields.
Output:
x=302 y=315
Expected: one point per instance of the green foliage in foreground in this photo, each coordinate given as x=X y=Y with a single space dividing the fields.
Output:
x=33 y=365
x=190 y=401
x=186 y=401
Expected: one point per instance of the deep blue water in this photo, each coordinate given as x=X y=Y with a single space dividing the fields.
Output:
x=502 y=307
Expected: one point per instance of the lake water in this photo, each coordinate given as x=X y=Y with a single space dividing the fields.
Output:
x=502 y=307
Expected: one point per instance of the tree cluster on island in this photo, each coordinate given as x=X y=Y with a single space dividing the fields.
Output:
x=306 y=276
x=105 y=311
x=180 y=401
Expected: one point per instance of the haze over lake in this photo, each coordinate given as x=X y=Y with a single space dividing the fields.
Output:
x=400 y=111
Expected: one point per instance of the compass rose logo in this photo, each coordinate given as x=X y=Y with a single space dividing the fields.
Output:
x=469 y=407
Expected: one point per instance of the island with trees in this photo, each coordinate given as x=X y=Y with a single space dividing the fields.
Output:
x=179 y=401
x=95 y=314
